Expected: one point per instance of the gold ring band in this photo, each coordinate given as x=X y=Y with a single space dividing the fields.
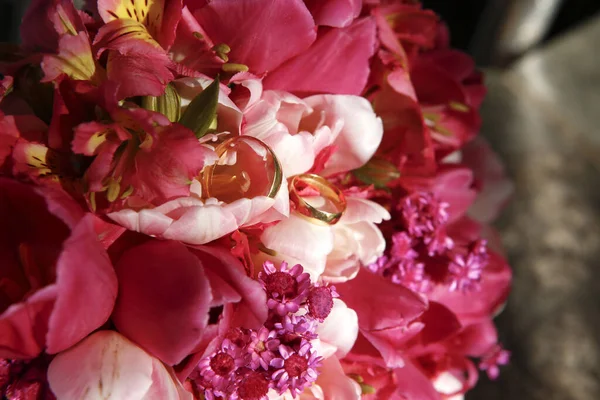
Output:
x=326 y=190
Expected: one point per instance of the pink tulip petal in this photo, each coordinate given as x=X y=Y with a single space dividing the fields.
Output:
x=252 y=310
x=363 y=210
x=103 y=366
x=23 y=325
x=335 y=13
x=87 y=288
x=262 y=34
x=164 y=299
x=338 y=62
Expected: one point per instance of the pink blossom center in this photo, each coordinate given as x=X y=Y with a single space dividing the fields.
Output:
x=320 y=302
x=254 y=386
x=282 y=284
x=295 y=365
x=222 y=364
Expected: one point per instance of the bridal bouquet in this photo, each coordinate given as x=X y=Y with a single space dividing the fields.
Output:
x=245 y=199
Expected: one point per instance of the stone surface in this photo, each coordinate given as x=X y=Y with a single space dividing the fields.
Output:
x=541 y=116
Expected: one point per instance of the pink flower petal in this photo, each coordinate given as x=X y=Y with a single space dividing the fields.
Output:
x=335 y=13
x=86 y=289
x=103 y=366
x=338 y=62
x=361 y=131
x=164 y=299
x=340 y=328
x=262 y=34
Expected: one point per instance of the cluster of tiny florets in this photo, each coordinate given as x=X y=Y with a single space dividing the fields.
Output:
x=421 y=240
x=278 y=356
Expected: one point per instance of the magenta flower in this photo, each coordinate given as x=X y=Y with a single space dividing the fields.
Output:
x=217 y=371
x=292 y=327
x=263 y=347
x=295 y=370
x=286 y=288
x=465 y=272
x=54 y=272
x=491 y=361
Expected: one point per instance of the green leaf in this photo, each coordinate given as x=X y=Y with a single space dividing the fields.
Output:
x=168 y=104
x=202 y=111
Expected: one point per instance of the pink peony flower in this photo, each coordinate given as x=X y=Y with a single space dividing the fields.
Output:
x=107 y=365
x=57 y=284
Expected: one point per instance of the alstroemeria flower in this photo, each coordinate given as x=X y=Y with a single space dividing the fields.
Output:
x=54 y=272
x=107 y=365
x=170 y=297
x=140 y=158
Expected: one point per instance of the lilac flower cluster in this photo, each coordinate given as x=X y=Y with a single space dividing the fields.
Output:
x=422 y=253
x=278 y=356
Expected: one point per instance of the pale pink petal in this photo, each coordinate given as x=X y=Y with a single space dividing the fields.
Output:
x=103 y=366
x=164 y=298
x=361 y=131
x=335 y=384
x=300 y=239
x=359 y=210
x=262 y=34
x=86 y=288
x=340 y=328
x=338 y=62
x=335 y=13
x=165 y=386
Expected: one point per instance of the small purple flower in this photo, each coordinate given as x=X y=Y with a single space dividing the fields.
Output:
x=217 y=371
x=423 y=213
x=465 y=272
x=380 y=265
x=286 y=288
x=262 y=348
x=295 y=370
x=293 y=327
x=402 y=247
x=493 y=359
x=412 y=275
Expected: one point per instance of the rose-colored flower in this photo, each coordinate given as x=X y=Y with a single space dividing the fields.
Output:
x=166 y=291
x=107 y=365
x=55 y=273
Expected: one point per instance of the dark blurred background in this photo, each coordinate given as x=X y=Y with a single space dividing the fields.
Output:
x=542 y=116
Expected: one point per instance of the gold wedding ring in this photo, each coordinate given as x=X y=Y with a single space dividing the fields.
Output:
x=335 y=201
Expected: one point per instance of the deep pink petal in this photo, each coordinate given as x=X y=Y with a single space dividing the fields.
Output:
x=338 y=63
x=335 y=13
x=139 y=74
x=379 y=303
x=252 y=310
x=87 y=288
x=413 y=384
x=164 y=299
x=166 y=170
x=23 y=326
x=262 y=34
